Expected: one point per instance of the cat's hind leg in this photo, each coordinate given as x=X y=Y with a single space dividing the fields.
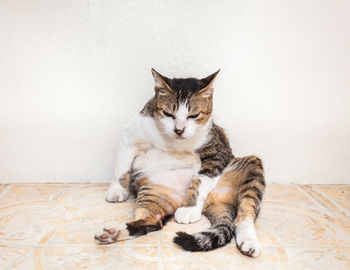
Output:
x=133 y=229
x=154 y=204
x=249 y=196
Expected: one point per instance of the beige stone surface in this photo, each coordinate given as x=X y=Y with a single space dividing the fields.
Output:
x=51 y=226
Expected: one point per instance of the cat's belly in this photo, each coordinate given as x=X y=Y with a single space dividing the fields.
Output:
x=167 y=169
x=178 y=179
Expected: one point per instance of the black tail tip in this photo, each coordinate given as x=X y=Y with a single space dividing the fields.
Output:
x=186 y=241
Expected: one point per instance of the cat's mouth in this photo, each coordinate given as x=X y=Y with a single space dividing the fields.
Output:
x=179 y=138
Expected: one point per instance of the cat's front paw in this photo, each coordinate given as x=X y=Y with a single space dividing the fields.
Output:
x=247 y=241
x=117 y=194
x=187 y=215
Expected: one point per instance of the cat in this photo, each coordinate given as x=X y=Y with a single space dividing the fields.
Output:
x=177 y=162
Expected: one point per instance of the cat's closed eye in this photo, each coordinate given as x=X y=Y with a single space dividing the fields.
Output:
x=167 y=114
x=193 y=116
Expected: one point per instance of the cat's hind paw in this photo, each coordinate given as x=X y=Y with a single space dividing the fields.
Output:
x=246 y=240
x=108 y=236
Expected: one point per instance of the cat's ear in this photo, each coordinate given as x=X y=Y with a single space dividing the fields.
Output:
x=206 y=85
x=161 y=83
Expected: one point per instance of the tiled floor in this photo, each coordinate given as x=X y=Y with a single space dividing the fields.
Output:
x=51 y=226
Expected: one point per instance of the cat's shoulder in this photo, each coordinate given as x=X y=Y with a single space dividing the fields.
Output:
x=216 y=137
x=139 y=120
x=141 y=127
x=219 y=133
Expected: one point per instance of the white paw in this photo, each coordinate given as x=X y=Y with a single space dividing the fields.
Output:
x=246 y=239
x=187 y=215
x=117 y=194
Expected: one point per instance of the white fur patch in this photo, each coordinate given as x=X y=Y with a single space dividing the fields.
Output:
x=168 y=125
x=185 y=215
x=117 y=193
x=178 y=180
x=246 y=238
x=207 y=184
x=181 y=116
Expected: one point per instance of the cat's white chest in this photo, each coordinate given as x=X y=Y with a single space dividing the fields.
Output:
x=171 y=169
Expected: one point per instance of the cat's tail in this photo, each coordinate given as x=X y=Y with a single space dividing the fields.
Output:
x=220 y=233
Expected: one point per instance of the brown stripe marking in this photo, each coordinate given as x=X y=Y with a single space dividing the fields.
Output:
x=192 y=193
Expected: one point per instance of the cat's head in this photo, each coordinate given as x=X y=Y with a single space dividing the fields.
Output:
x=182 y=106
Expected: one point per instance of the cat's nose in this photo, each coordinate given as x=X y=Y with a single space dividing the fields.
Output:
x=179 y=131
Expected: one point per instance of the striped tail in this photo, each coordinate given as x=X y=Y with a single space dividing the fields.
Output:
x=221 y=232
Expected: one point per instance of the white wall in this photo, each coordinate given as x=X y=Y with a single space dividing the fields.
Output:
x=73 y=72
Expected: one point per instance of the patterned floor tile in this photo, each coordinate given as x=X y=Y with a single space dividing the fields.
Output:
x=95 y=257
x=338 y=195
x=319 y=258
x=290 y=194
x=295 y=225
x=27 y=222
x=51 y=226
x=227 y=257
x=334 y=198
x=31 y=192
x=16 y=257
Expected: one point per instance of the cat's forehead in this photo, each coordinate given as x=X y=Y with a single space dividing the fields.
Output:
x=185 y=88
x=189 y=85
